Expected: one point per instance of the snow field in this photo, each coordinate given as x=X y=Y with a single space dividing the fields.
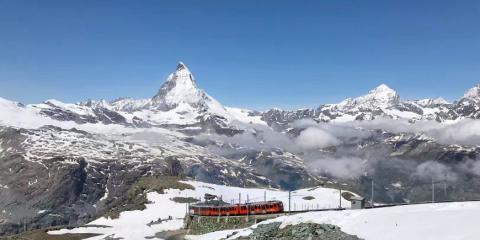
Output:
x=132 y=225
x=437 y=221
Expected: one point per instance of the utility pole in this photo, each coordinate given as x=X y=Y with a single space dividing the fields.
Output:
x=373 y=189
x=289 y=198
x=445 y=190
x=239 y=198
x=340 y=196
x=264 y=196
x=445 y=186
x=433 y=190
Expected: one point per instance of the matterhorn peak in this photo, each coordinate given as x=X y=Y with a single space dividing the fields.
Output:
x=181 y=66
x=182 y=74
x=180 y=89
x=473 y=92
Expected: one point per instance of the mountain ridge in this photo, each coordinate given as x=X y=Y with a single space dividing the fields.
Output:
x=179 y=101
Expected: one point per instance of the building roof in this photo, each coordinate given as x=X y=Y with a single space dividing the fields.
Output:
x=358 y=198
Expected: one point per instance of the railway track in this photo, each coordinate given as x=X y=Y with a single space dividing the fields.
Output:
x=332 y=209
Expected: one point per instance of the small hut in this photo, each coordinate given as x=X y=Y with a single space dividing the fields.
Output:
x=357 y=202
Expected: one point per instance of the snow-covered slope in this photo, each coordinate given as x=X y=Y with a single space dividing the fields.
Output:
x=439 y=221
x=17 y=115
x=132 y=225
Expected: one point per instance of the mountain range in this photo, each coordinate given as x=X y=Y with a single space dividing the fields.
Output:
x=63 y=163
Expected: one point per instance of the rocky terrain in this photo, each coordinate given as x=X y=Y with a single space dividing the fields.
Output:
x=311 y=231
x=64 y=163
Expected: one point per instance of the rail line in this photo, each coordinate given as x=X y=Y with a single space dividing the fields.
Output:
x=334 y=209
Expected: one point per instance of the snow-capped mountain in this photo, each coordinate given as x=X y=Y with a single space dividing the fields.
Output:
x=382 y=102
x=379 y=97
x=473 y=93
x=180 y=91
x=179 y=103
x=469 y=105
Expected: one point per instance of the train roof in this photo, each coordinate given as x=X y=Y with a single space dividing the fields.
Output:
x=224 y=204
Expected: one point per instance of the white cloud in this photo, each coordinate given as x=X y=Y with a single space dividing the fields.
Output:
x=435 y=170
x=345 y=167
x=314 y=138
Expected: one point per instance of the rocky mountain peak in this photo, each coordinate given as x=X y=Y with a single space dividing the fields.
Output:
x=379 y=97
x=383 y=91
x=473 y=92
x=180 y=91
x=181 y=66
x=179 y=88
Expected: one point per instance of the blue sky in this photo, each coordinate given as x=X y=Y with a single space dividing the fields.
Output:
x=249 y=53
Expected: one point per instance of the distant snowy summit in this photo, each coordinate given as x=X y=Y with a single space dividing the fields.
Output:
x=473 y=93
x=379 y=97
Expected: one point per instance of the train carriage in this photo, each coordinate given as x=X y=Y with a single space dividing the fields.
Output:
x=205 y=209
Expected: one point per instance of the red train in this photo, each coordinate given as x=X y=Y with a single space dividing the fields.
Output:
x=255 y=208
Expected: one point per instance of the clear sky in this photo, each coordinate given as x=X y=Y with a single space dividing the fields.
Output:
x=245 y=53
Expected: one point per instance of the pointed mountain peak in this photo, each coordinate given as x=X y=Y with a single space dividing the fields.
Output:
x=181 y=66
x=382 y=93
x=182 y=75
x=473 y=92
x=180 y=89
x=381 y=96
x=383 y=88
